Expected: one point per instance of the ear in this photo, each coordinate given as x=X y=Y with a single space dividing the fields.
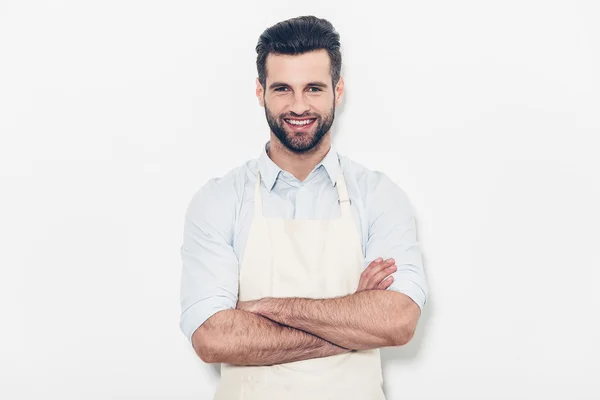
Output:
x=260 y=93
x=339 y=91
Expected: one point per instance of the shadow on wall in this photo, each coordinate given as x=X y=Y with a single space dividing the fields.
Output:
x=405 y=354
x=216 y=371
x=339 y=110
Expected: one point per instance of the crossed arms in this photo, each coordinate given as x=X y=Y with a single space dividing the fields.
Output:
x=280 y=330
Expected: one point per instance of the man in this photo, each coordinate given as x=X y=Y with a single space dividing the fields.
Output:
x=299 y=265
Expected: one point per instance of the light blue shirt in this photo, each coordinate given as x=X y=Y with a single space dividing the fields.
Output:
x=219 y=215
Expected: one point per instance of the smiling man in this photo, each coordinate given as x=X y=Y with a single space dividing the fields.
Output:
x=299 y=265
x=301 y=126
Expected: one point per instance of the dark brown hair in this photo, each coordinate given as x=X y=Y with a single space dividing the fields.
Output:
x=297 y=36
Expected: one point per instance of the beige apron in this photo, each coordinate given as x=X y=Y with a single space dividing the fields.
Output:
x=303 y=258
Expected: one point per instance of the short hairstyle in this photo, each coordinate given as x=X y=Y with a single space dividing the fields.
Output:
x=297 y=36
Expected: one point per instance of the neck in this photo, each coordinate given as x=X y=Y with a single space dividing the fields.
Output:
x=296 y=164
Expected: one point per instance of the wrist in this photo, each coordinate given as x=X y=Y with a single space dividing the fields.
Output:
x=264 y=306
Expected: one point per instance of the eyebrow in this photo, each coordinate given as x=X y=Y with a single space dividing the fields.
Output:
x=316 y=83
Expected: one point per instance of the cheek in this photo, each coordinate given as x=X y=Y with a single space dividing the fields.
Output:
x=323 y=103
x=276 y=105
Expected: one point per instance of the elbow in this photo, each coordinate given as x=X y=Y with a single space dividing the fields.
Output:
x=406 y=323
x=204 y=345
x=210 y=340
x=403 y=333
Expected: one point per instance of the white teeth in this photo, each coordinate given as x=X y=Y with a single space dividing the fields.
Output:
x=291 y=121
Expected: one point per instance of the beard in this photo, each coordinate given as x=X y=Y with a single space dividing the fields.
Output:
x=301 y=142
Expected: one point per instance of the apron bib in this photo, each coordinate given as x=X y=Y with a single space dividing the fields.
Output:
x=312 y=259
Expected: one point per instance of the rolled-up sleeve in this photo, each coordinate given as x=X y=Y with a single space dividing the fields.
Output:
x=209 y=278
x=393 y=234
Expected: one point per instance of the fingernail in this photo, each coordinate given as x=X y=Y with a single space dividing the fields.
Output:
x=379 y=259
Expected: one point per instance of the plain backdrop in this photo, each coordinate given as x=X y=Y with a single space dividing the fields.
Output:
x=114 y=113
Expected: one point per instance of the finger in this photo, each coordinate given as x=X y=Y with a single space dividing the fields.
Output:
x=374 y=263
x=374 y=284
x=386 y=283
x=375 y=267
x=377 y=278
x=366 y=274
x=367 y=280
x=379 y=273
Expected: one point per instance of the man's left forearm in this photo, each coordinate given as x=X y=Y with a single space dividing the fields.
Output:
x=364 y=320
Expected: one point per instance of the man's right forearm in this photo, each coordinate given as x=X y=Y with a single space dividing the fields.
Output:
x=244 y=338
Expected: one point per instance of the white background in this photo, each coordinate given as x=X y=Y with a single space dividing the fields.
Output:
x=113 y=113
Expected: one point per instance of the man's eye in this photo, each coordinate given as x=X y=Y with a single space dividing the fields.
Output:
x=280 y=89
x=316 y=88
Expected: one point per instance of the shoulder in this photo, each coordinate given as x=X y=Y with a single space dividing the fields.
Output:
x=375 y=187
x=367 y=179
x=216 y=201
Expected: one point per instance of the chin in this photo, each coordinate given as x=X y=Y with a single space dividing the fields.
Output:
x=303 y=146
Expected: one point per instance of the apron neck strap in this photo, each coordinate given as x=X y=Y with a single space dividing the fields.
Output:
x=344 y=200
x=257 y=196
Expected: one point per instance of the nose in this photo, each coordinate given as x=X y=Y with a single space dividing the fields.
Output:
x=300 y=105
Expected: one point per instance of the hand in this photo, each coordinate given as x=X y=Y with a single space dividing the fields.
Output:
x=374 y=276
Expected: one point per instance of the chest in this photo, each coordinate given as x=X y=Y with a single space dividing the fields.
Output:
x=318 y=201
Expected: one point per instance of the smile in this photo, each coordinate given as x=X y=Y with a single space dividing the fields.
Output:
x=300 y=123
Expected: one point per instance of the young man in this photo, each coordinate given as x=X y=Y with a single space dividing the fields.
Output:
x=300 y=264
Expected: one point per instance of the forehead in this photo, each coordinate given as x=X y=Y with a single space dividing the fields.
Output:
x=298 y=69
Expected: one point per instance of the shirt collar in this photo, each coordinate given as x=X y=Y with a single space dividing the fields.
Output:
x=269 y=171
